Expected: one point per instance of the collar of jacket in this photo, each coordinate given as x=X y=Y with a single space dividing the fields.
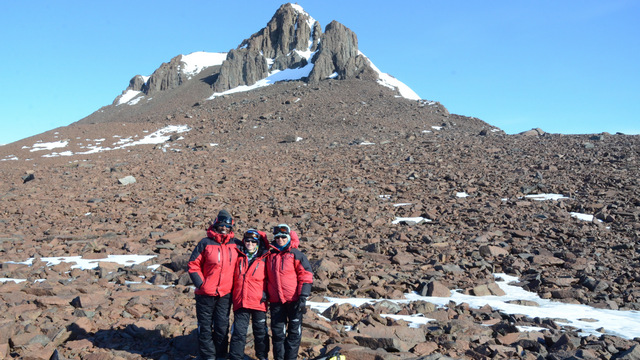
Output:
x=274 y=247
x=260 y=252
x=220 y=238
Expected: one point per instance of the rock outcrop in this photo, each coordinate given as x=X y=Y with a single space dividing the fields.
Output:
x=166 y=77
x=338 y=54
x=137 y=83
x=282 y=43
x=287 y=42
x=290 y=29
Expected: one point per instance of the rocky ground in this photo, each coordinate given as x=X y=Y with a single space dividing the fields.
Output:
x=339 y=194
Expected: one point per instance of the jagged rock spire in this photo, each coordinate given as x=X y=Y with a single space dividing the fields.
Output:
x=281 y=44
x=289 y=29
x=339 y=54
x=288 y=41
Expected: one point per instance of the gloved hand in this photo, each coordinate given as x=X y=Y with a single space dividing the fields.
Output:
x=301 y=306
x=264 y=297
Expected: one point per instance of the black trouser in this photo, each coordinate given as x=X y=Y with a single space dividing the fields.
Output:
x=213 y=325
x=286 y=342
x=239 y=333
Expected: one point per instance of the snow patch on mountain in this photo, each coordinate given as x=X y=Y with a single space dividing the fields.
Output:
x=393 y=83
x=158 y=137
x=301 y=11
x=303 y=72
x=195 y=62
x=274 y=77
x=128 y=96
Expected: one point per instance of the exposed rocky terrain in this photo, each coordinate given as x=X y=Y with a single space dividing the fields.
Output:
x=243 y=153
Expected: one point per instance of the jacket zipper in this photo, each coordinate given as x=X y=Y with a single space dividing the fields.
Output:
x=256 y=268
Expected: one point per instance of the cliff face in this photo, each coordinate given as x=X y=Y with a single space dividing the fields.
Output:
x=338 y=54
x=288 y=41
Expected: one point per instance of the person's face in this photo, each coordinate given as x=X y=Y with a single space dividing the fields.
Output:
x=251 y=244
x=281 y=240
x=222 y=229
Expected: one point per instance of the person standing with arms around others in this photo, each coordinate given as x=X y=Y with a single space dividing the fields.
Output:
x=250 y=296
x=211 y=267
x=289 y=279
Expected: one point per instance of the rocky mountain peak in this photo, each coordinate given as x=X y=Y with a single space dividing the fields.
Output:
x=290 y=29
x=292 y=46
x=290 y=40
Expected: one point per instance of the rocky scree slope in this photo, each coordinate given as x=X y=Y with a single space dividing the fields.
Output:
x=340 y=195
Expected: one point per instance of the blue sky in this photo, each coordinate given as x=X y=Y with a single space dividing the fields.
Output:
x=564 y=66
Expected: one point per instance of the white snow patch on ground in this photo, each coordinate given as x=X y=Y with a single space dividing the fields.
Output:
x=49 y=145
x=158 y=137
x=543 y=197
x=9 y=157
x=415 y=220
x=401 y=204
x=462 y=194
x=583 y=217
x=84 y=264
x=56 y=154
x=436 y=127
x=625 y=324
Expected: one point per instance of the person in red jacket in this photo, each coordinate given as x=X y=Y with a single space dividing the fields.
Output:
x=289 y=279
x=250 y=296
x=211 y=269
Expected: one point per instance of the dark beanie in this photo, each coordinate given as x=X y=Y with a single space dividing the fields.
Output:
x=224 y=216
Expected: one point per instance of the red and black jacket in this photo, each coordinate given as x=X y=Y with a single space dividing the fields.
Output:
x=212 y=263
x=250 y=278
x=289 y=273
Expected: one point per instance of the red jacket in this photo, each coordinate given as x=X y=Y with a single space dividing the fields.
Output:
x=250 y=279
x=289 y=273
x=212 y=263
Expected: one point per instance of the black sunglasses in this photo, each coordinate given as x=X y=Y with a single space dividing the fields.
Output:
x=250 y=240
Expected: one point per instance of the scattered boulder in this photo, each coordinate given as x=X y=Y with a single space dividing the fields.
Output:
x=533 y=132
x=127 y=180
